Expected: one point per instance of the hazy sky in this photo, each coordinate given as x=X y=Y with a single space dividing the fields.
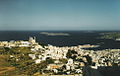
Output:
x=59 y=14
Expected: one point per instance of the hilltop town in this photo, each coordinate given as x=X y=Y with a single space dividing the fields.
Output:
x=32 y=58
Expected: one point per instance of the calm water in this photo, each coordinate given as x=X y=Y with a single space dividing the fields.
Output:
x=75 y=38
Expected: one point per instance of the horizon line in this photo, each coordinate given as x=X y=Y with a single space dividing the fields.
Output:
x=59 y=30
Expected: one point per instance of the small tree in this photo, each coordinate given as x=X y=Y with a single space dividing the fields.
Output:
x=63 y=60
x=89 y=59
x=49 y=60
x=71 y=54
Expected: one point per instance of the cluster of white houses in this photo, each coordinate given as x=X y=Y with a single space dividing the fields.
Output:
x=18 y=43
x=30 y=43
x=100 y=58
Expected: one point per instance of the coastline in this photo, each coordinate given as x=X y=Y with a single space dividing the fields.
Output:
x=70 y=60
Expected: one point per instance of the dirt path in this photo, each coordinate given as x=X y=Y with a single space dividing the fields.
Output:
x=6 y=69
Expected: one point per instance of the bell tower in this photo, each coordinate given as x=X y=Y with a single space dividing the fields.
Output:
x=32 y=40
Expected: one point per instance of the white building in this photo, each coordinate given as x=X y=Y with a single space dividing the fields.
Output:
x=70 y=61
x=24 y=44
x=37 y=61
x=32 y=56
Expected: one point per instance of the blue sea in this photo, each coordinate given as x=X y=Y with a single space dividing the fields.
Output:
x=74 y=38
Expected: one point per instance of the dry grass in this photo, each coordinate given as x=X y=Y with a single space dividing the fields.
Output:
x=6 y=69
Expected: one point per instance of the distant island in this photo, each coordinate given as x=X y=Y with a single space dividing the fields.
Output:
x=111 y=35
x=55 y=34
